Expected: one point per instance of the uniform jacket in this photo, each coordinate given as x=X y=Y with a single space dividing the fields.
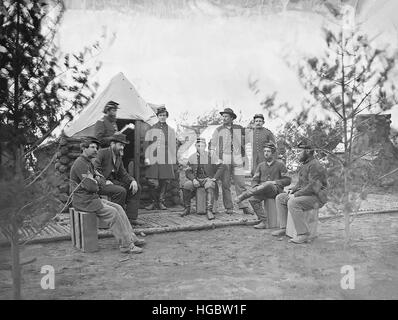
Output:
x=114 y=172
x=201 y=166
x=160 y=148
x=104 y=129
x=228 y=141
x=257 y=138
x=312 y=181
x=85 y=198
x=275 y=172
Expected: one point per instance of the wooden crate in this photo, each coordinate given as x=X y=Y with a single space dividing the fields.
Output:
x=311 y=218
x=83 y=228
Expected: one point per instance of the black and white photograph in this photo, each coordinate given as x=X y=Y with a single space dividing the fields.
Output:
x=198 y=154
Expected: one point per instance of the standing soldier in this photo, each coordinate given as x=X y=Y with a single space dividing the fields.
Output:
x=227 y=144
x=106 y=127
x=201 y=172
x=160 y=157
x=257 y=138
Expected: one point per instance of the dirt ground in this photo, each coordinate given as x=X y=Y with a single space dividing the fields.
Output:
x=226 y=263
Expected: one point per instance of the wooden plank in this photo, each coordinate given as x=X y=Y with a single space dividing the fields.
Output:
x=88 y=231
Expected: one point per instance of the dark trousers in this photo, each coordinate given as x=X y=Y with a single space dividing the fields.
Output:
x=123 y=196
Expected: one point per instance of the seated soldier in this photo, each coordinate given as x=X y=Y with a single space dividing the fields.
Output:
x=117 y=183
x=201 y=172
x=85 y=198
x=268 y=181
x=309 y=193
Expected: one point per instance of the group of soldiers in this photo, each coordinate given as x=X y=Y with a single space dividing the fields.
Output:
x=103 y=173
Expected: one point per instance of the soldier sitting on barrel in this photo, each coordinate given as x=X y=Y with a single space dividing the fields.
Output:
x=268 y=181
x=201 y=172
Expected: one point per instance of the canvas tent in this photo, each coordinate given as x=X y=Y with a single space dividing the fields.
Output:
x=131 y=107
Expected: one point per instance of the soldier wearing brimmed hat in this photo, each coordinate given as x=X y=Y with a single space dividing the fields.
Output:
x=268 y=181
x=106 y=127
x=307 y=194
x=256 y=140
x=227 y=144
x=117 y=183
x=202 y=171
x=86 y=181
x=160 y=157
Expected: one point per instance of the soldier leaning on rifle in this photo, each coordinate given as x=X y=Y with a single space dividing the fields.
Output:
x=201 y=172
x=86 y=198
x=309 y=193
x=268 y=181
x=106 y=127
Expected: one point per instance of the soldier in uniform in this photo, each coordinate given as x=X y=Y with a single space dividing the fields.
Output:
x=228 y=145
x=160 y=157
x=257 y=138
x=201 y=172
x=85 y=198
x=106 y=127
x=268 y=181
x=307 y=194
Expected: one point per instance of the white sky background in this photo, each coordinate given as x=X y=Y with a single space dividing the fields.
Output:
x=205 y=60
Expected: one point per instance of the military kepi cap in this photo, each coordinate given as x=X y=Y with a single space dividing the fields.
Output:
x=258 y=115
x=111 y=104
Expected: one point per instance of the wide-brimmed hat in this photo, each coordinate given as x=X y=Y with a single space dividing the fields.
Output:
x=229 y=111
x=111 y=105
x=258 y=115
x=119 y=137
x=162 y=109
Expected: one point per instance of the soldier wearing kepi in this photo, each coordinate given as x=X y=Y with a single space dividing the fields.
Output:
x=85 y=198
x=106 y=127
x=201 y=172
x=160 y=157
x=268 y=181
x=307 y=194
x=257 y=138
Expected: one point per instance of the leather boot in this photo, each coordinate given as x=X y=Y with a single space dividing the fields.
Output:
x=152 y=195
x=186 y=196
x=244 y=195
x=162 y=196
x=260 y=212
x=210 y=203
x=152 y=206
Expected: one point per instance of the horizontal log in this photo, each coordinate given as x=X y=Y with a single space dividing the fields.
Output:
x=74 y=155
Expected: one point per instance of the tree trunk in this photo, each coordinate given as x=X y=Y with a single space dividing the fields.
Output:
x=16 y=267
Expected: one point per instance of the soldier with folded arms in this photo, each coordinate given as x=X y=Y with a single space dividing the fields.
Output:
x=85 y=198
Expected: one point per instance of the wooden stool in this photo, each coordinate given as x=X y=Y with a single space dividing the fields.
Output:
x=311 y=217
x=270 y=209
x=83 y=228
x=201 y=200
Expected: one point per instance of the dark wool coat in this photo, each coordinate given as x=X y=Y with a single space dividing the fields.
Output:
x=85 y=198
x=161 y=149
x=104 y=129
x=257 y=139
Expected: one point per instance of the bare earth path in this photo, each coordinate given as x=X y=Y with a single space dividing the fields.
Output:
x=226 y=263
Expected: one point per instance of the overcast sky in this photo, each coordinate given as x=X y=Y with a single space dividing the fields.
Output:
x=206 y=59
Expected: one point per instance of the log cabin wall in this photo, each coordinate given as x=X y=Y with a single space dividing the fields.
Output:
x=69 y=149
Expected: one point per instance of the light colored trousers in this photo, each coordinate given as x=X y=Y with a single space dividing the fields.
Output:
x=296 y=206
x=115 y=217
